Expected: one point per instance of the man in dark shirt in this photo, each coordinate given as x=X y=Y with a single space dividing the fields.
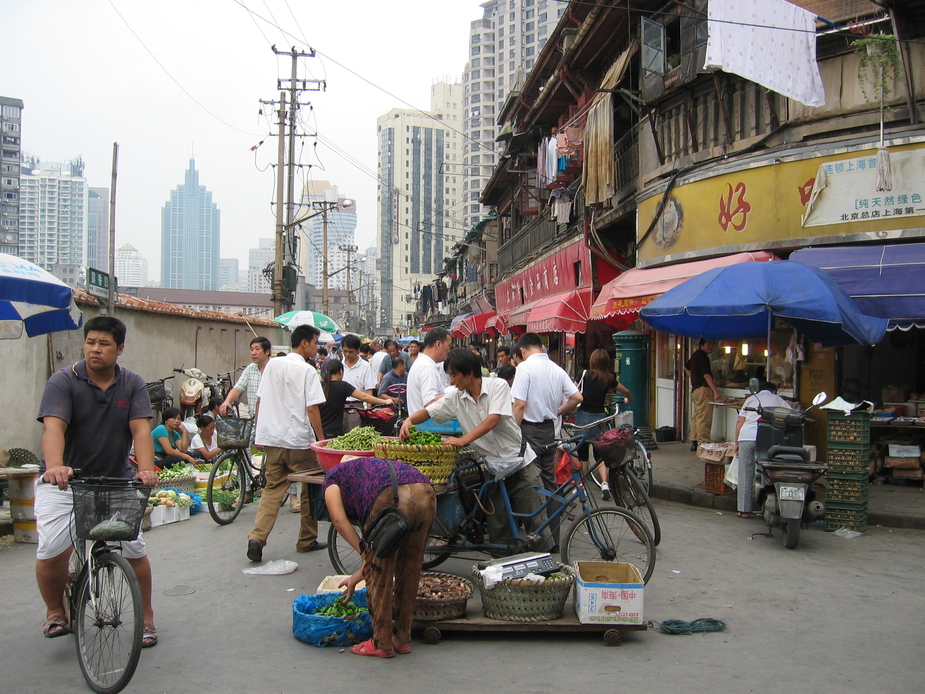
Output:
x=702 y=388
x=92 y=413
x=397 y=376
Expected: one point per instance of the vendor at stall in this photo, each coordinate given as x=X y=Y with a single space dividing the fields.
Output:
x=359 y=489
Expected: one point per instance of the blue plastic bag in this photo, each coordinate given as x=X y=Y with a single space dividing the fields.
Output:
x=196 y=506
x=322 y=631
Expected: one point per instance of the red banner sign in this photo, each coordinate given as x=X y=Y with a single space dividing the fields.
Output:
x=551 y=275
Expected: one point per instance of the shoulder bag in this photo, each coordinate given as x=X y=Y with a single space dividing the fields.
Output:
x=388 y=531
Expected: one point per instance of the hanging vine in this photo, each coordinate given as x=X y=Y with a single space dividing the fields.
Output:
x=879 y=65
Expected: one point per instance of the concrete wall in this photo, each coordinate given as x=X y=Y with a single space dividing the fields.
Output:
x=155 y=344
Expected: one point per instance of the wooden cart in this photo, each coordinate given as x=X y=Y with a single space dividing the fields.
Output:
x=432 y=632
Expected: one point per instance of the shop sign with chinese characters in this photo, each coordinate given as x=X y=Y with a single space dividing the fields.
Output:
x=557 y=272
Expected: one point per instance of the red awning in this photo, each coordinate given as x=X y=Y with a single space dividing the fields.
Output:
x=567 y=312
x=476 y=323
x=519 y=315
x=496 y=325
x=635 y=288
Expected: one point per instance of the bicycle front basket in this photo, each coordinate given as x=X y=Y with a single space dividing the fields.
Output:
x=157 y=391
x=612 y=445
x=233 y=432
x=106 y=512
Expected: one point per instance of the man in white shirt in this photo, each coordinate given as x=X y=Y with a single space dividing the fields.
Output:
x=288 y=422
x=425 y=380
x=359 y=374
x=249 y=381
x=483 y=408
x=377 y=357
x=542 y=392
x=745 y=439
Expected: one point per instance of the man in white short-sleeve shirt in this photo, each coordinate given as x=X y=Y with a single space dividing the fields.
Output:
x=359 y=374
x=542 y=392
x=425 y=383
x=483 y=408
x=288 y=422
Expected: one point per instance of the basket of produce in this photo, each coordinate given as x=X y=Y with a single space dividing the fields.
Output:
x=441 y=596
x=527 y=599
x=105 y=512
x=423 y=450
x=356 y=442
x=233 y=432
x=178 y=476
x=326 y=620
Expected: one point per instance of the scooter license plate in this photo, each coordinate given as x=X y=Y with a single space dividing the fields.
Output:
x=791 y=494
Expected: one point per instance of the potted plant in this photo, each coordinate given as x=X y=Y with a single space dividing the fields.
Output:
x=879 y=64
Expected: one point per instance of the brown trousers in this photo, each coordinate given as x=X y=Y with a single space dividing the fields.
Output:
x=279 y=463
x=702 y=418
x=392 y=584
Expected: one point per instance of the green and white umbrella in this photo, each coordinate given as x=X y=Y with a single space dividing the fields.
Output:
x=293 y=319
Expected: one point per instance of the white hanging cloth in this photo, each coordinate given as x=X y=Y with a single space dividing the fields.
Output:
x=770 y=42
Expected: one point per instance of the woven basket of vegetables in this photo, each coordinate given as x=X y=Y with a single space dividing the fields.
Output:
x=441 y=596
x=526 y=600
x=434 y=462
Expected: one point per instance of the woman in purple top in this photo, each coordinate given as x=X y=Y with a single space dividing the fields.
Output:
x=358 y=489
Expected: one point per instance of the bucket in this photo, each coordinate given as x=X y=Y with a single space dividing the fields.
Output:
x=25 y=531
x=22 y=496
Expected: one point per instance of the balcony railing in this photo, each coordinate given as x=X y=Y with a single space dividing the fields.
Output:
x=626 y=164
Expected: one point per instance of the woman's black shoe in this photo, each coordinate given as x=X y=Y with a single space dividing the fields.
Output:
x=693 y=446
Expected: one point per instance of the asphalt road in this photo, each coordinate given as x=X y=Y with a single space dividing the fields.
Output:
x=835 y=615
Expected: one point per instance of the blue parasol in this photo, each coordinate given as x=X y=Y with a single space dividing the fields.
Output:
x=33 y=300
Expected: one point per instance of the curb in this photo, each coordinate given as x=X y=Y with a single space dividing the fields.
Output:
x=694 y=496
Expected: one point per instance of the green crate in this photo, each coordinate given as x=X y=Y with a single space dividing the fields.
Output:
x=845 y=514
x=848 y=458
x=853 y=428
x=847 y=486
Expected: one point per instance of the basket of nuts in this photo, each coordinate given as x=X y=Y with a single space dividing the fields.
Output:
x=441 y=596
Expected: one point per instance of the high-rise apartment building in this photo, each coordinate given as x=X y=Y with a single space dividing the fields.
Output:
x=257 y=261
x=190 y=231
x=10 y=154
x=228 y=275
x=342 y=223
x=53 y=204
x=131 y=267
x=420 y=188
x=98 y=230
x=503 y=46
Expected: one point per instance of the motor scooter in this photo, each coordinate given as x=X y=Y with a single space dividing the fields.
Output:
x=192 y=392
x=784 y=475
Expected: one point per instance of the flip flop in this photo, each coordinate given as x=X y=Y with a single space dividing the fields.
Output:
x=55 y=626
x=401 y=649
x=369 y=648
x=743 y=515
x=149 y=637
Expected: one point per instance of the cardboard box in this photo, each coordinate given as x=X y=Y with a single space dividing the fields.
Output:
x=894 y=394
x=608 y=593
x=330 y=585
x=900 y=451
x=902 y=463
x=714 y=452
x=913 y=474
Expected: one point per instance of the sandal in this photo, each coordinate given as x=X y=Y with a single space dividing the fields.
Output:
x=740 y=514
x=401 y=649
x=369 y=648
x=55 y=626
x=295 y=506
x=149 y=637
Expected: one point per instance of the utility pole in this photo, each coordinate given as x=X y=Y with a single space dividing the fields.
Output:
x=348 y=249
x=324 y=261
x=280 y=304
x=111 y=303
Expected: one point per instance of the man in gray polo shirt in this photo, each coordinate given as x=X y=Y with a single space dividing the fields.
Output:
x=92 y=413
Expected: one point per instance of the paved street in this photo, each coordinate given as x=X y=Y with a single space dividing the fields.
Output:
x=835 y=615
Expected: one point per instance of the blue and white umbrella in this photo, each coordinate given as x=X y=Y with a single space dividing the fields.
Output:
x=33 y=300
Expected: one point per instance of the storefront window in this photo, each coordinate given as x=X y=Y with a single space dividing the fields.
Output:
x=734 y=362
x=666 y=347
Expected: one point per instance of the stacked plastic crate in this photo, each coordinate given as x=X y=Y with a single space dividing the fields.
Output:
x=847 y=474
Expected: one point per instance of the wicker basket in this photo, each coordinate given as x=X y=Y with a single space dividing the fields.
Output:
x=511 y=601
x=438 y=609
x=435 y=462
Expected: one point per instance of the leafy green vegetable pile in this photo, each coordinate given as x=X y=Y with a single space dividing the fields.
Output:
x=359 y=439
x=424 y=438
x=175 y=472
x=339 y=608
x=224 y=497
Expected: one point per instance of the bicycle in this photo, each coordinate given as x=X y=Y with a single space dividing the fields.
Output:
x=234 y=479
x=102 y=592
x=597 y=534
x=640 y=460
x=161 y=397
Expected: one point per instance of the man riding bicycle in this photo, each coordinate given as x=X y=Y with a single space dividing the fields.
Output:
x=483 y=407
x=92 y=413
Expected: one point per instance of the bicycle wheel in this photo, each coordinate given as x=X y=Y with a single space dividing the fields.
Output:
x=641 y=466
x=610 y=534
x=344 y=558
x=631 y=495
x=109 y=623
x=226 y=490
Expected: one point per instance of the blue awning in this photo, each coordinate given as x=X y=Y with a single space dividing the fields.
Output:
x=884 y=281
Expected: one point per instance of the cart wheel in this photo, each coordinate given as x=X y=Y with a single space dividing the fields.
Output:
x=431 y=636
x=612 y=637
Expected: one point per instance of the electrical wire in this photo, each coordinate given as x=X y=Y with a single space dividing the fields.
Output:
x=174 y=79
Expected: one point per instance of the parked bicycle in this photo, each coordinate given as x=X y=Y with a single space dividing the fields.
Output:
x=102 y=592
x=161 y=397
x=640 y=460
x=597 y=534
x=235 y=479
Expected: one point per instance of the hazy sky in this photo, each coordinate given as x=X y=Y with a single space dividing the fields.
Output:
x=176 y=78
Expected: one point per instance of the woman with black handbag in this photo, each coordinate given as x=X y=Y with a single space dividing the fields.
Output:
x=395 y=505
